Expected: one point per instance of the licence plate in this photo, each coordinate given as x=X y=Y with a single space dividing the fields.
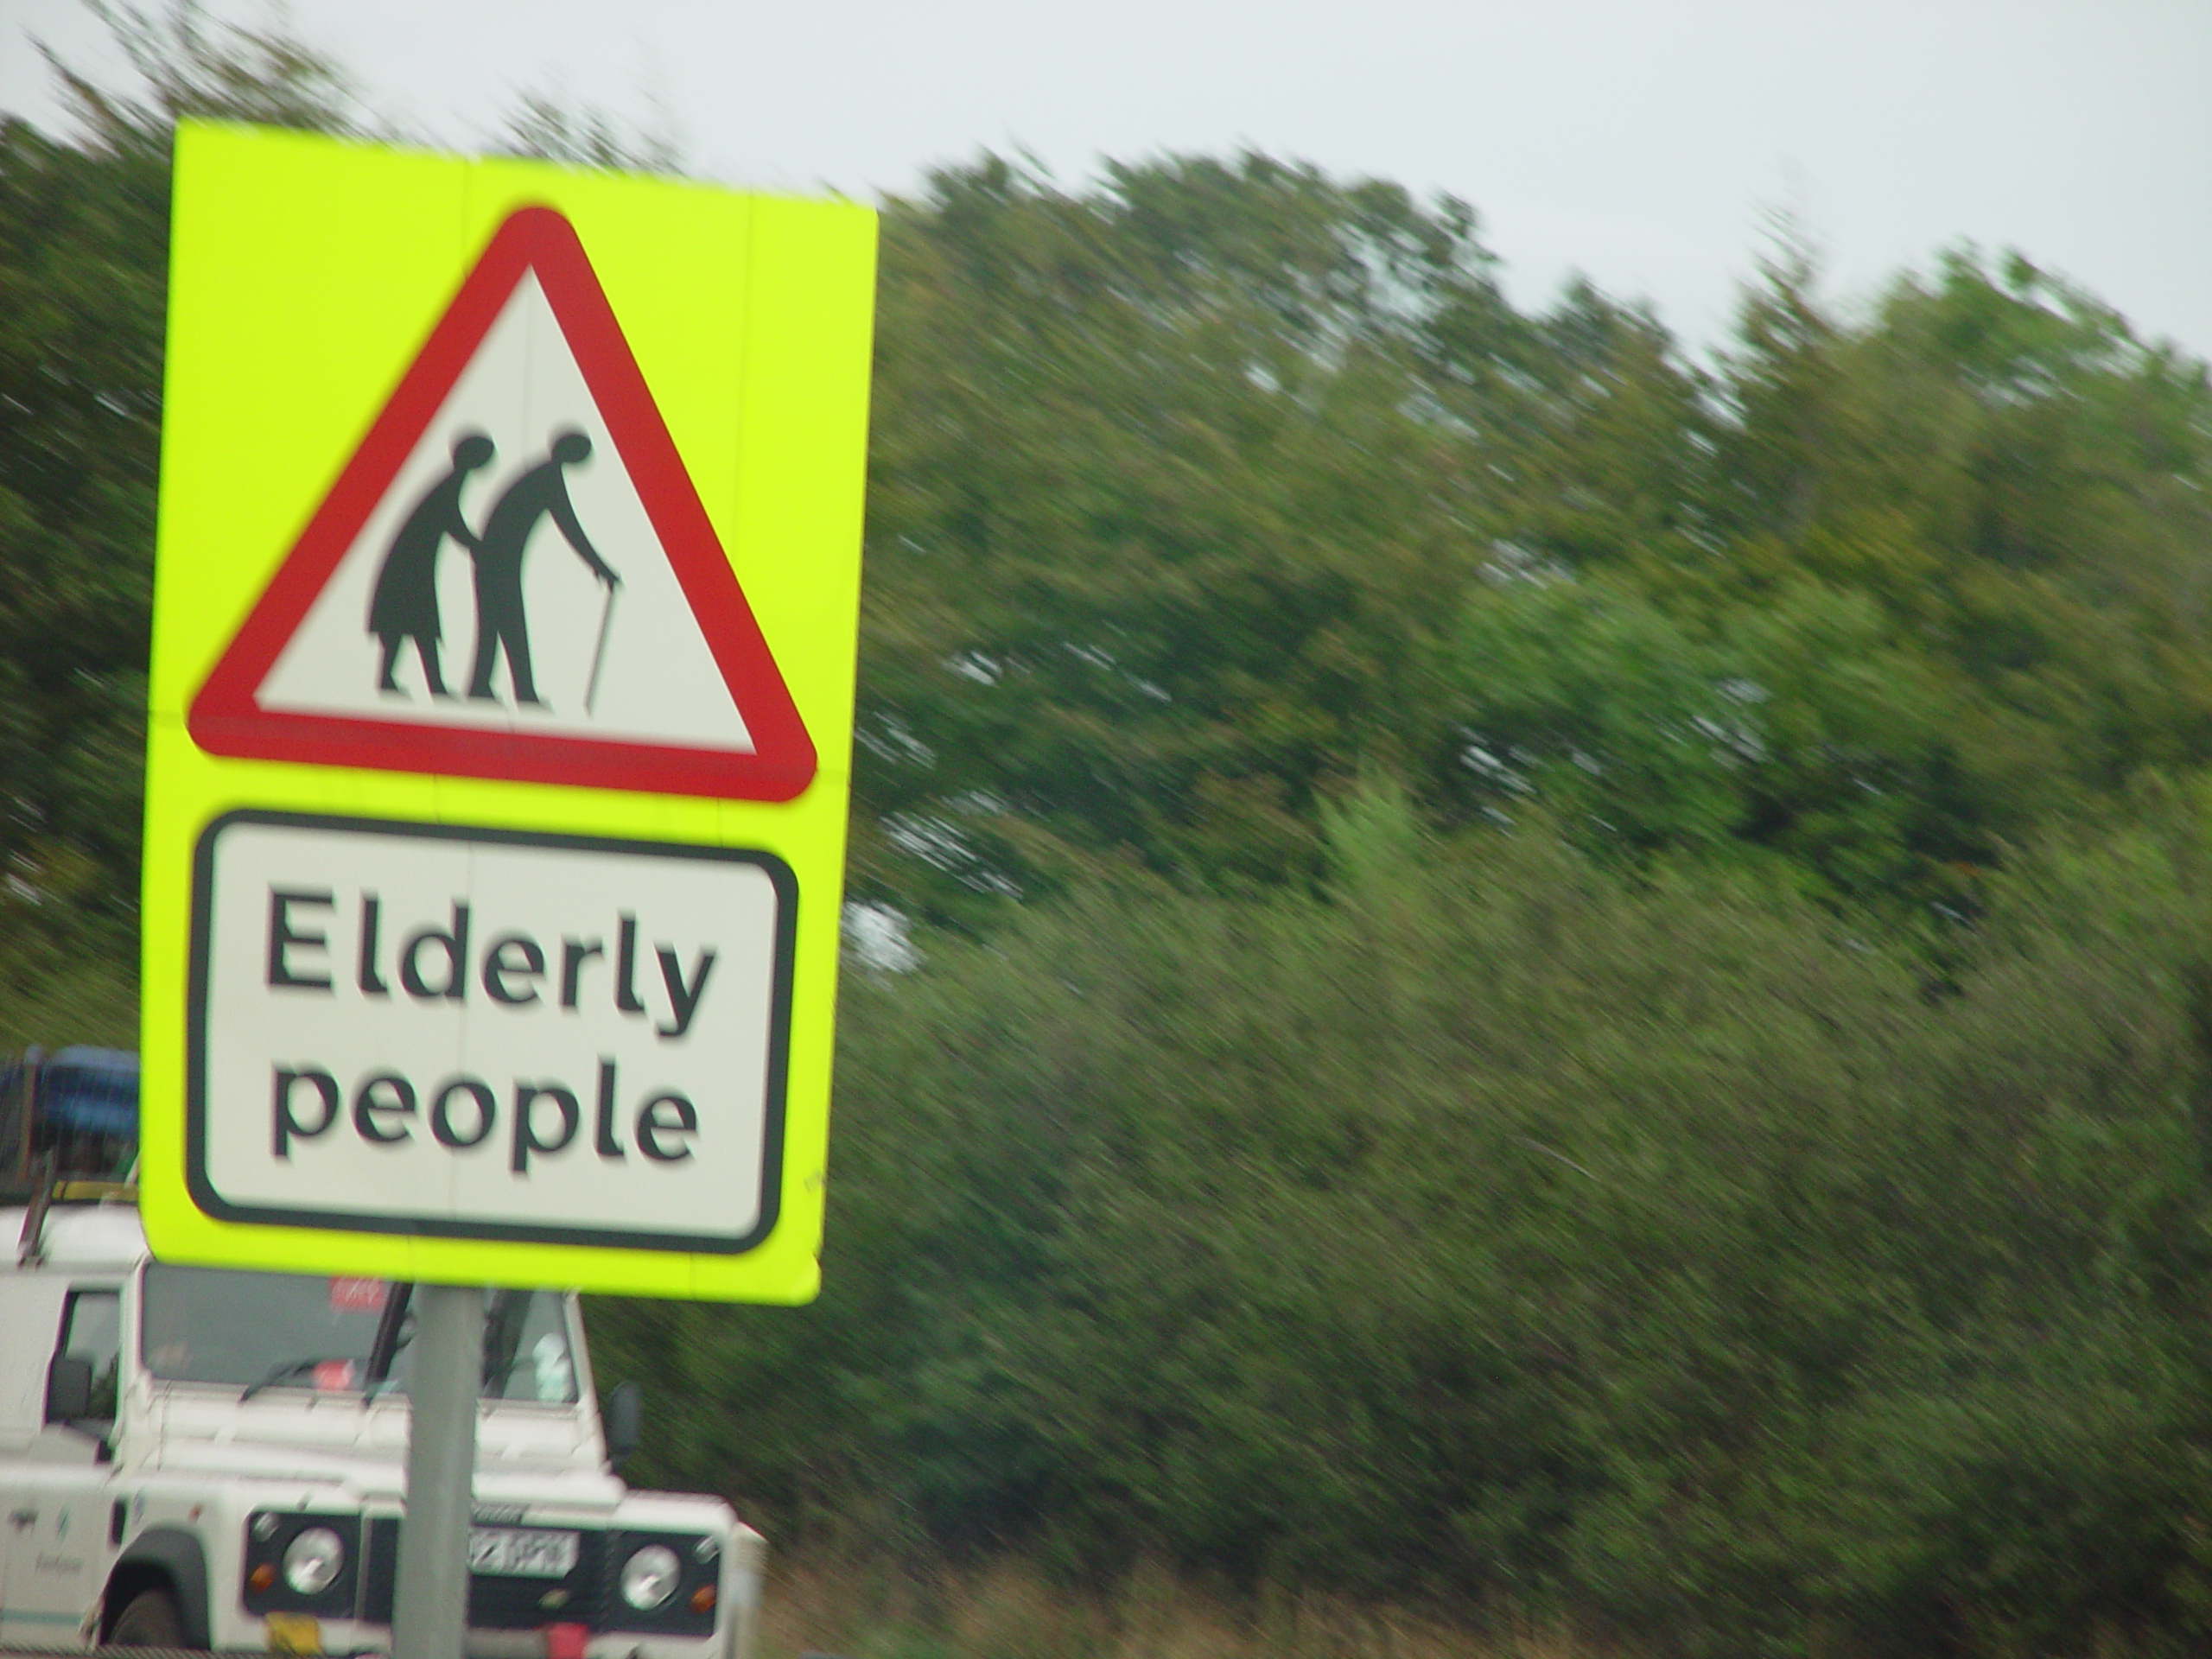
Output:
x=521 y=1552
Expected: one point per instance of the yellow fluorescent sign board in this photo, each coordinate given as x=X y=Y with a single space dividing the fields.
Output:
x=504 y=615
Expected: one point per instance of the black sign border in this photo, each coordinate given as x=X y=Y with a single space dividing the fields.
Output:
x=213 y=1204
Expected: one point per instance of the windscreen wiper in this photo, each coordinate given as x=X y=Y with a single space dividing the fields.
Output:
x=292 y=1368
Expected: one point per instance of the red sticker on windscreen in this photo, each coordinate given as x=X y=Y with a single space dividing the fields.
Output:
x=333 y=1376
x=357 y=1295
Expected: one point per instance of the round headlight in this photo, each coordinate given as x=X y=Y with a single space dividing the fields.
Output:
x=649 y=1577
x=312 y=1561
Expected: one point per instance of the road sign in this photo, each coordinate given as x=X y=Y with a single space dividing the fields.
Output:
x=525 y=398
x=480 y=1033
x=504 y=611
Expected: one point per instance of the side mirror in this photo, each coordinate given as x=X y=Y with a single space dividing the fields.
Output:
x=68 y=1388
x=625 y=1420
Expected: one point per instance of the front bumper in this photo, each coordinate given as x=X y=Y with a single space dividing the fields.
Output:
x=298 y=1633
x=578 y=1615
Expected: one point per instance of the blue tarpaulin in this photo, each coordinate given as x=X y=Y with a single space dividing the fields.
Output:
x=91 y=1091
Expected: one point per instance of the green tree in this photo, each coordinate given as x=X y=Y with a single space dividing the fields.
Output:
x=1162 y=509
x=83 y=233
x=1495 y=1228
x=2016 y=485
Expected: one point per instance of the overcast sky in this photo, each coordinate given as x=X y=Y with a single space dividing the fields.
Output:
x=1641 y=144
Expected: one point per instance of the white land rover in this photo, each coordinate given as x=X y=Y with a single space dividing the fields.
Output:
x=206 y=1458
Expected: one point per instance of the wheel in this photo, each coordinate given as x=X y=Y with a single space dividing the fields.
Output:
x=148 y=1620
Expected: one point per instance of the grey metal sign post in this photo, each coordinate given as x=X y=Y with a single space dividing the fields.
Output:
x=430 y=1605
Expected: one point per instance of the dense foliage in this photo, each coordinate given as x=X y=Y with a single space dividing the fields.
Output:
x=1198 y=495
x=84 y=256
x=1550 y=978
x=1493 y=1228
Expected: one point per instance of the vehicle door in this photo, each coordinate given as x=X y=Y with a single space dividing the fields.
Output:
x=57 y=1507
x=31 y=1313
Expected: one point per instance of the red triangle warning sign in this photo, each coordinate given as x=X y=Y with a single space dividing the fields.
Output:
x=514 y=577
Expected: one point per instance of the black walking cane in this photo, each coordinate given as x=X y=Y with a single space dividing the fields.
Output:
x=599 y=653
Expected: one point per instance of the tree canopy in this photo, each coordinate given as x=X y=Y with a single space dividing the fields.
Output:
x=1202 y=492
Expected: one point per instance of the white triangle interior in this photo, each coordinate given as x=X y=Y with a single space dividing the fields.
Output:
x=657 y=680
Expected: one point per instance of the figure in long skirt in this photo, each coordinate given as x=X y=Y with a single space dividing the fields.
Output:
x=405 y=604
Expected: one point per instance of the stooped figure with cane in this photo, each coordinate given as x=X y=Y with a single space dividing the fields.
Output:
x=501 y=627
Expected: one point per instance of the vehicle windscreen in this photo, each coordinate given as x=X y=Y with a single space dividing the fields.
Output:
x=265 y=1331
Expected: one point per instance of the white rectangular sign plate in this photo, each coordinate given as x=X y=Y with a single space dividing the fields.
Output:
x=487 y=1034
x=522 y=1552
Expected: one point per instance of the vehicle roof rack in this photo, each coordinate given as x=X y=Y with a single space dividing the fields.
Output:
x=44 y=1191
